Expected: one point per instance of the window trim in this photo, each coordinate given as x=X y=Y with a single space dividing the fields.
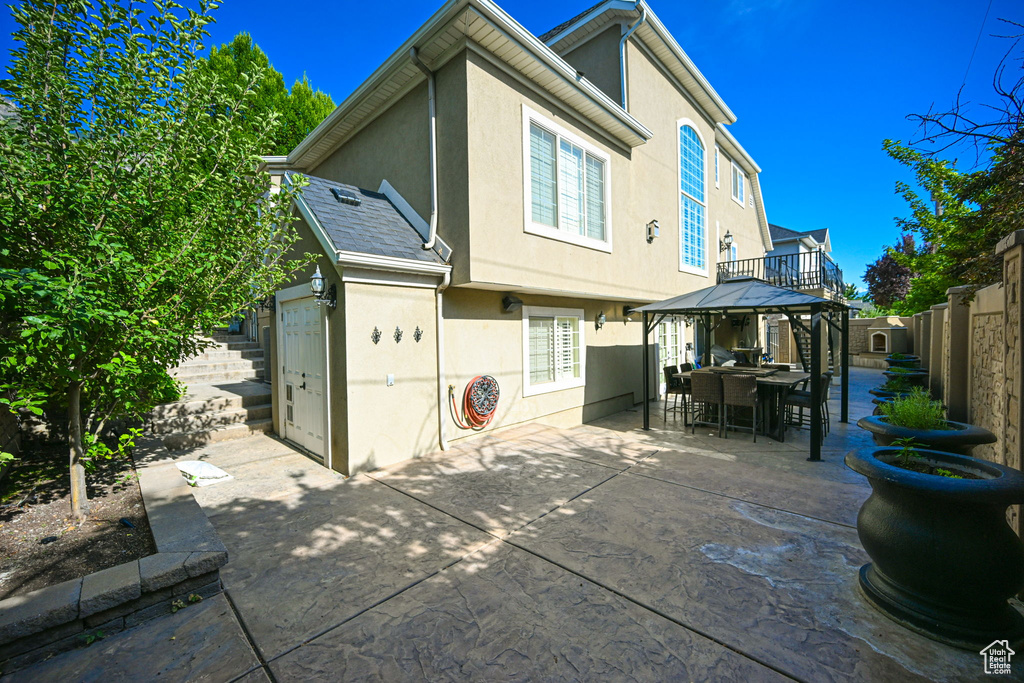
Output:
x=683 y=267
x=558 y=385
x=555 y=233
x=742 y=201
x=717 y=185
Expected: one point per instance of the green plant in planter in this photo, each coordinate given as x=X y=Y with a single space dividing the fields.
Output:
x=905 y=371
x=916 y=410
x=908 y=449
x=897 y=385
x=898 y=356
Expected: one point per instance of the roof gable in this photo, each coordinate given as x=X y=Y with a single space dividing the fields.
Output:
x=781 y=234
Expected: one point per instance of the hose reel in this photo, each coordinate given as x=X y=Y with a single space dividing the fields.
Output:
x=479 y=402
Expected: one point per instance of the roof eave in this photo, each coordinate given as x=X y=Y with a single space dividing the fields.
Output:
x=637 y=132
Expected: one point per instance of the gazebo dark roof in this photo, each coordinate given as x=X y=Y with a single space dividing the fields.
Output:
x=752 y=296
x=741 y=295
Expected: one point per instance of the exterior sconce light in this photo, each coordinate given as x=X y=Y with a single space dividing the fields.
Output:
x=329 y=297
x=627 y=312
x=600 y=320
x=511 y=303
x=653 y=230
x=726 y=242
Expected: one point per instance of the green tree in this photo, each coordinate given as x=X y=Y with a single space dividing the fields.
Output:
x=134 y=216
x=301 y=110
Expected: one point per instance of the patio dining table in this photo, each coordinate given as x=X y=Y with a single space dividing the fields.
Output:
x=775 y=387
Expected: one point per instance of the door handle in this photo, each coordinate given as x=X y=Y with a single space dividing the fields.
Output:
x=303 y=386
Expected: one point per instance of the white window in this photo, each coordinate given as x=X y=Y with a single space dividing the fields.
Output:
x=716 y=167
x=567 y=185
x=670 y=343
x=732 y=252
x=692 y=209
x=554 y=350
x=739 y=179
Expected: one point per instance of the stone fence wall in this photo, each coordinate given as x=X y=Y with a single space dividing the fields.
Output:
x=972 y=349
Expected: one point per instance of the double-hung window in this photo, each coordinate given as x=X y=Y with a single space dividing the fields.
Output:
x=567 y=185
x=554 y=354
x=739 y=181
x=692 y=207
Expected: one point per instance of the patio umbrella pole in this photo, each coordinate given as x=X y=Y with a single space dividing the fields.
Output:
x=844 y=413
x=647 y=378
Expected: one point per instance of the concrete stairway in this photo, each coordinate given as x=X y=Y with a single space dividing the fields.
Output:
x=225 y=397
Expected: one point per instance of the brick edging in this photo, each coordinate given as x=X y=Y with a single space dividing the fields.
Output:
x=189 y=556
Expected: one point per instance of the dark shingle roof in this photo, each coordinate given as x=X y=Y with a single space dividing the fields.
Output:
x=781 y=234
x=544 y=37
x=373 y=226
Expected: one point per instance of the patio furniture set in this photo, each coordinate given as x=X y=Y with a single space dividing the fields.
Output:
x=762 y=400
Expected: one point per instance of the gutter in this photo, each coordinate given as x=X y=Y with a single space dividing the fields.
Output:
x=622 y=52
x=432 y=109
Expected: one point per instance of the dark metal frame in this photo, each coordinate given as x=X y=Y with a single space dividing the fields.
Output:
x=825 y=308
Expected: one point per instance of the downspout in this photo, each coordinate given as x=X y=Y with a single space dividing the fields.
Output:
x=622 y=51
x=442 y=381
x=429 y=244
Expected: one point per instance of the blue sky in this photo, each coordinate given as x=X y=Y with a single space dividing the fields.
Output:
x=816 y=85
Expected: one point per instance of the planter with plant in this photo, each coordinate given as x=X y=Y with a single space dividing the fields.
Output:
x=944 y=561
x=916 y=416
x=895 y=386
x=916 y=376
x=903 y=360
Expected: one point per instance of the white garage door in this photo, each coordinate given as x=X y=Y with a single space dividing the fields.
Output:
x=303 y=361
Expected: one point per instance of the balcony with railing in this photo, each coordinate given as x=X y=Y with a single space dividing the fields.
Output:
x=813 y=270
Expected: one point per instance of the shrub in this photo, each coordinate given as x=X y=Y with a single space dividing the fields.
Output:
x=897 y=385
x=915 y=411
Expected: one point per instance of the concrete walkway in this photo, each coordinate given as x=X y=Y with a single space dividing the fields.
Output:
x=601 y=552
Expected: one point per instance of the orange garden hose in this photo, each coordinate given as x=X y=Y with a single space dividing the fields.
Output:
x=479 y=402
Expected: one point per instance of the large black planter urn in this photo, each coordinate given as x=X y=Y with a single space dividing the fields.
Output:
x=917 y=376
x=944 y=561
x=960 y=438
x=882 y=393
x=907 y=361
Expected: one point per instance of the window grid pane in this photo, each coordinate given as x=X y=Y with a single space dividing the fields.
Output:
x=692 y=243
x=542 y=350
x=542 y=176
x=595 y=198
x=567 y=345
x=691 y=163
x=570 y=180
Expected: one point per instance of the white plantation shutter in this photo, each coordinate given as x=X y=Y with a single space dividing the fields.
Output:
x=570 y=187
x=567 y=347
x=542 y=176
x=542 y=350
x=595 y=198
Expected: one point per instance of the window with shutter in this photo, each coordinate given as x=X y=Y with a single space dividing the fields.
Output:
x=692 y=215
x=553 y=349
x=567 y=185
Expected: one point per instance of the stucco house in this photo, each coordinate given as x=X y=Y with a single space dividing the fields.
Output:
x=490 y=202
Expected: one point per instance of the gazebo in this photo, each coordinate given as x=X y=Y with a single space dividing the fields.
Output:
x=751 y=296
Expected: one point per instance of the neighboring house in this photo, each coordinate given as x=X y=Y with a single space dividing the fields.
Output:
x=786 y=241
x=556 y=161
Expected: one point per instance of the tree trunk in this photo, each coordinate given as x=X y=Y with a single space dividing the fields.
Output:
x=79 y=499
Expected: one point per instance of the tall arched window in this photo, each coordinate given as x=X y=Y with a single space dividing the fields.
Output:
x=692 y=208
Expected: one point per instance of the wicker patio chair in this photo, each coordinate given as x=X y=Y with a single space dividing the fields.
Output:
x=740 y=391
x=674 y=390
x=706 y=393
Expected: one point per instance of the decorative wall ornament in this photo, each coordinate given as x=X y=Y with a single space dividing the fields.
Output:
x=418 y=334
x=375 y=335
x=398 y=334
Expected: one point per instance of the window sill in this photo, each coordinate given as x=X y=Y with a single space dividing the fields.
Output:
x=692 y=270
x=562 y=236
x=740 y=202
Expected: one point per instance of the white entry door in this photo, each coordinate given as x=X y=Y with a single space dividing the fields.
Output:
x=303 y=361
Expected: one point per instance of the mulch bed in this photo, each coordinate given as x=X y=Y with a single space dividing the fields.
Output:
x=40 y=542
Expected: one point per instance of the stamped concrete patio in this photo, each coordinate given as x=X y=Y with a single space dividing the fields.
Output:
x=601 y=552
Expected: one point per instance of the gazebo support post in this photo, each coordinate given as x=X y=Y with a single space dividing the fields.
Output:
x=816 y=387
x=845 y=354
x=647 y=378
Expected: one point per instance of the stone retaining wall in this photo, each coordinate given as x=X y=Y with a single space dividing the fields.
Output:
x=189 y=556
x=973 y=351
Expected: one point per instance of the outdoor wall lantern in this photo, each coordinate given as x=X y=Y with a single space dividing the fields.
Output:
x=511 y=303
x=653 y=230
x=600 y=320
x=726 y=242
x=328 y=296
x=627 y=312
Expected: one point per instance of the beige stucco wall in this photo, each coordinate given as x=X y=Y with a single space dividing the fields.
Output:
x=598 y=59
x=644 y=185
x=482 y=339
x=389 y=424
